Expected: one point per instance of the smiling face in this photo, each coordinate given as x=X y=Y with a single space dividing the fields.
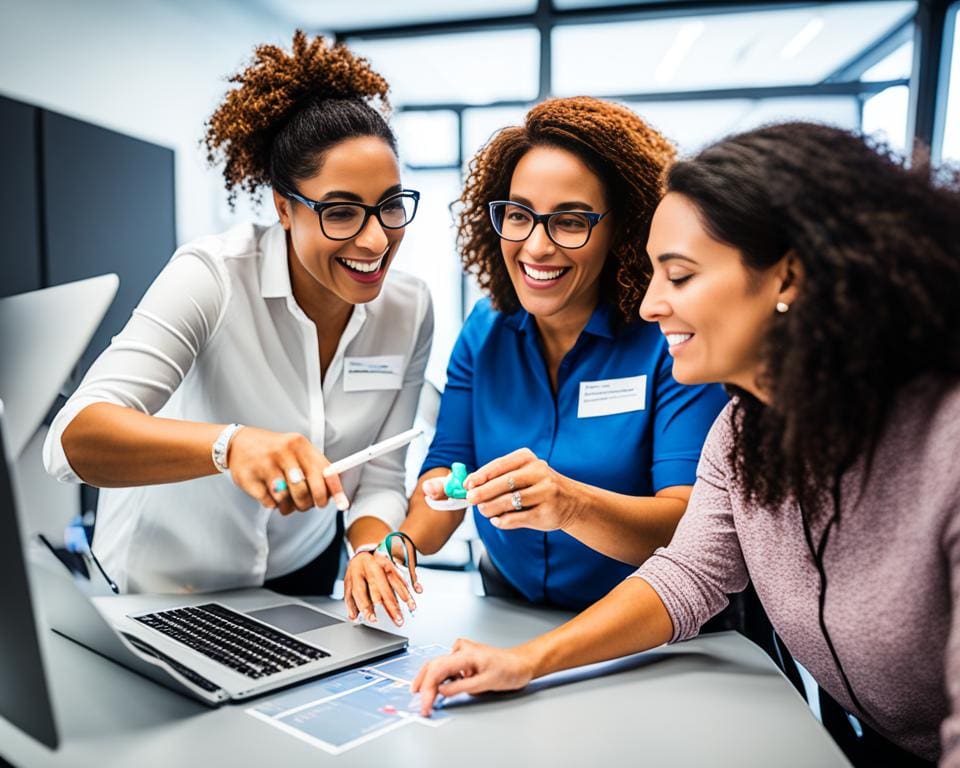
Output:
x=713 y=310
x=358 y=170
x=551 y=281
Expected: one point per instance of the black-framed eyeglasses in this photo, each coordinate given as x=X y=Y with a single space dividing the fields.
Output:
x=342 y=221
x=568 y=229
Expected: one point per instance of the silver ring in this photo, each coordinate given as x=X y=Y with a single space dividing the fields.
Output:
x=515 y=499
x=510 y=484
x=295 y=476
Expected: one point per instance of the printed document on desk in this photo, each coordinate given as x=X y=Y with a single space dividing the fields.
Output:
x=348 y=709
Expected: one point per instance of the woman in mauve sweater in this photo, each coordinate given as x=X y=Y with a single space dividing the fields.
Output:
x=819 y=278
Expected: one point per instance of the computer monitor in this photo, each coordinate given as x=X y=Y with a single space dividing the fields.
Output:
x=24 y=690
x=42 y=334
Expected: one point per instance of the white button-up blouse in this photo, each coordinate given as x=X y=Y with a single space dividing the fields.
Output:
x=219 y=338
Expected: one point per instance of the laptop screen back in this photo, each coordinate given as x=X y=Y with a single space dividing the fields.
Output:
x=42 y=334
x=24 y=694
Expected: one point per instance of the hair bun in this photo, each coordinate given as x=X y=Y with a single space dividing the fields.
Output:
x=271 y=88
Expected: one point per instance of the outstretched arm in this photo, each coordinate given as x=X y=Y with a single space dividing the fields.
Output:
x=631 y=618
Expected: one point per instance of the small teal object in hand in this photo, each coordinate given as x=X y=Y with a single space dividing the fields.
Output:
x=453 y=486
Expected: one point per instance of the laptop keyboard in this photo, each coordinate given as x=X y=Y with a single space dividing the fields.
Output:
x=233 y=639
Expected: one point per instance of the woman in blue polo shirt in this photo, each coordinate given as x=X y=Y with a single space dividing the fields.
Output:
x=560 y=401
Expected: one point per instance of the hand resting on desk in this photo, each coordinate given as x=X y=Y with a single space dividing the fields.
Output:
x=374 y=579
x=471 y=668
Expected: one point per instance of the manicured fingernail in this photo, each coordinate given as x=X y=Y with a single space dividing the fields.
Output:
x=480 y=507
x=341 y=500
x=418 y=588
x=412 y=605
x=372 y=618
x=471 y=496
x=495 y=522
x=399 y=622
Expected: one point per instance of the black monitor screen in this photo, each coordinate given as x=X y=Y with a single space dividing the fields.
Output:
x=24 y=696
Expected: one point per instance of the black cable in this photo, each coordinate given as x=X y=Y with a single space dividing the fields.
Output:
x=817 y=555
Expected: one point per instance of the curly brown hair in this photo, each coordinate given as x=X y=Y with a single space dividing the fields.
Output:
x=627 y=155
x=289 y=108
x=877 y=306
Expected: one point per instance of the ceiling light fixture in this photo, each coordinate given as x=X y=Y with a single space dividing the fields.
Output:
x=803 y=38
x=686 y=36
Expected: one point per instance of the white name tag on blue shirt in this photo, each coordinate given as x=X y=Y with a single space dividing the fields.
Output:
x=610 y=396
x=362 y=374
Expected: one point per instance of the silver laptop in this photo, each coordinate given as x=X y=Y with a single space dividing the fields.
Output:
x=215 y=647
x=42 y=335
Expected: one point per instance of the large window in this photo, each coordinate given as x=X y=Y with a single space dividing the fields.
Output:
x=467 y=68
x=950 y=145
x=885 y=113
x=795 y=46
x=695 y=76
x=692 y=125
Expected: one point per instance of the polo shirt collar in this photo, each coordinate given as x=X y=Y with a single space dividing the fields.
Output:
x=519 y=320
x=601 y=322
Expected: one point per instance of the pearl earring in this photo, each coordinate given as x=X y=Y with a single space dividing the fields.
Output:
x=782 y=307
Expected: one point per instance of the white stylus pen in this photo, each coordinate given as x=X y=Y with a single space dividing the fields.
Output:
x=377 y=449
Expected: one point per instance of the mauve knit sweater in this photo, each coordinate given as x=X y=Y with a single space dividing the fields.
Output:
x=892 y=564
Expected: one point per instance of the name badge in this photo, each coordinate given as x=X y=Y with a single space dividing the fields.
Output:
x=362 y=374
x=605 y=398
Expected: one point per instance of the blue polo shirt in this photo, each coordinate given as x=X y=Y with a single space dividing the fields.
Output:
x=498 y=398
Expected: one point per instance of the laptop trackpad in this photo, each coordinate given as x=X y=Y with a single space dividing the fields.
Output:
x=294 y=618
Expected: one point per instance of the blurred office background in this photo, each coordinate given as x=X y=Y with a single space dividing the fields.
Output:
x=111 y=96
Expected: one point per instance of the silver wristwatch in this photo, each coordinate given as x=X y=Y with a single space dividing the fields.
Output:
x=222 y=444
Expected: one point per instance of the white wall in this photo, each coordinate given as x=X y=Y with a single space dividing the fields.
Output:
x=149 y=69
x=153 y=70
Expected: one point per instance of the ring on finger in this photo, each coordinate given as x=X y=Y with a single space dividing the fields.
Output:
x=278 y=485
x=511 y=485
x=516 y=501
x=295 y=476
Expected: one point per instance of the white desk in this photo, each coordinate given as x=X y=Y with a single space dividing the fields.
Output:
x=713 y=701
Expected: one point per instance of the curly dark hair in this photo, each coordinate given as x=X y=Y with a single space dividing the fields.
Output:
x=289 y=109
x=627 y=155
x=878 y=305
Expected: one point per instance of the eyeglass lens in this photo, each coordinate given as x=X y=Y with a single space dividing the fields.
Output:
x=345 y=221
x=566 y=229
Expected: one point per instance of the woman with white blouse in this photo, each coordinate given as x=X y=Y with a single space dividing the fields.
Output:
x=261 y=355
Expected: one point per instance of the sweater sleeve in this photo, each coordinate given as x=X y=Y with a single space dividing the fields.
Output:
x=703 y=563
x=950 y=728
